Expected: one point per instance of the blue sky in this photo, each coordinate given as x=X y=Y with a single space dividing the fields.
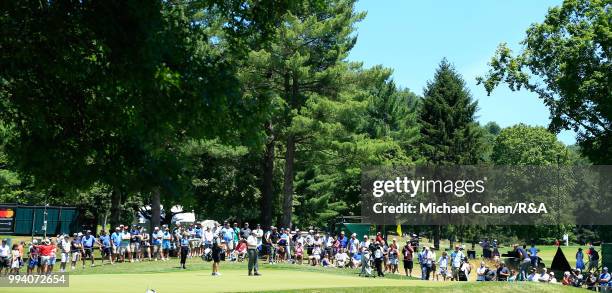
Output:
x=411 y=37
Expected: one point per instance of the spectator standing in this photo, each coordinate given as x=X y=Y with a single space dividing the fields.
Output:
x=486 y=248
x=432 y=268
x=5 y=257
x=342 y=239
x=236 y=234
x=15 y=259
x=443 y=265
x=580 y=259
x=145 y=244
x=208 y=238
x=116 y=244
x=378 y=253
x=33 y=257
x=88 y=247
x=457 y=257
x=166 y=243
x=228 y=236
x=353 y=245
x=465 y=270
x=105 y=246
x=393 y=257
x=533 y=255
x=408 y=253
x=135 y=243
x=259 y=235
x=45 y=250
x=156 y=242
x=524 y=262
x=245 y=232
x=65 y=252
x=184 y=248
x=76 y=248
x=124 y=247
x=593 y=258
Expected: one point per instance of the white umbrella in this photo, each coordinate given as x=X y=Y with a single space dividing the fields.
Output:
x=209 y=223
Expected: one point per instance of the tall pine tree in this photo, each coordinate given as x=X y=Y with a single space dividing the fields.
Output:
x=303 y=61
x=449 y=133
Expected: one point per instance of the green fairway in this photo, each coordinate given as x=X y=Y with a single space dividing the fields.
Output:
x=166 y=277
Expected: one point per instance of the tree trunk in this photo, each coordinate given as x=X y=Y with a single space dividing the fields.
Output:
x=115 y=212
x=155 y=208
x=437 y=232
x=288 y=184
x=293 y=91
x=268 y=177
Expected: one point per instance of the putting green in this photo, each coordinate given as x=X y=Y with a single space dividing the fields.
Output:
x=284 y=278
x=202 y=281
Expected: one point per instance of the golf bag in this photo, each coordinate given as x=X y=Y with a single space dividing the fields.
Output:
x=207 y=255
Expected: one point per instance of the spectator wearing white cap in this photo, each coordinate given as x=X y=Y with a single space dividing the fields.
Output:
x=5 y=257
x=116 y=243
x=88 y=247
x=252 y=252
x=353 y=245
x=544 y=276
x=76 y=249
x=65 y=252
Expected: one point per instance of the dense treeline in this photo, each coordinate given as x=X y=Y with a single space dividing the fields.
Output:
x=243 y=110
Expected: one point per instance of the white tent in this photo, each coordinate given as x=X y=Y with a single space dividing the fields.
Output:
x=180 y=217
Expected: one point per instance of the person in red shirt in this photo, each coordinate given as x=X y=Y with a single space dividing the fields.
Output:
x=407 y=252
x=241 y=250
x=379 y=237
x=46 y=250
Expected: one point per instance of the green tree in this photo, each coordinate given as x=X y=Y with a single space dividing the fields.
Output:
x=302 y=61
x=449 y=133
x=528 y=145
x=566 y=60
x=94 y=97
x=369 y=122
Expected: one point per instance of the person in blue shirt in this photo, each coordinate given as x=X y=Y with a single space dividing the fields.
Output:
x=88 y=242
x=198 y=244
x=525 y=262
x=136 y=242
x=124 y=248
x=533 y=255
x=116 y=243
x=580 y=259
x=184 y=244
x=105 y=243
x=343 y=240
x=604 y=278
x=156 y=242
x=166 y=242
x=228 y=235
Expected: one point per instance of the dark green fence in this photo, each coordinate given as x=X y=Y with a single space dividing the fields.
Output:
x=29 y=220
x=606 y=255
